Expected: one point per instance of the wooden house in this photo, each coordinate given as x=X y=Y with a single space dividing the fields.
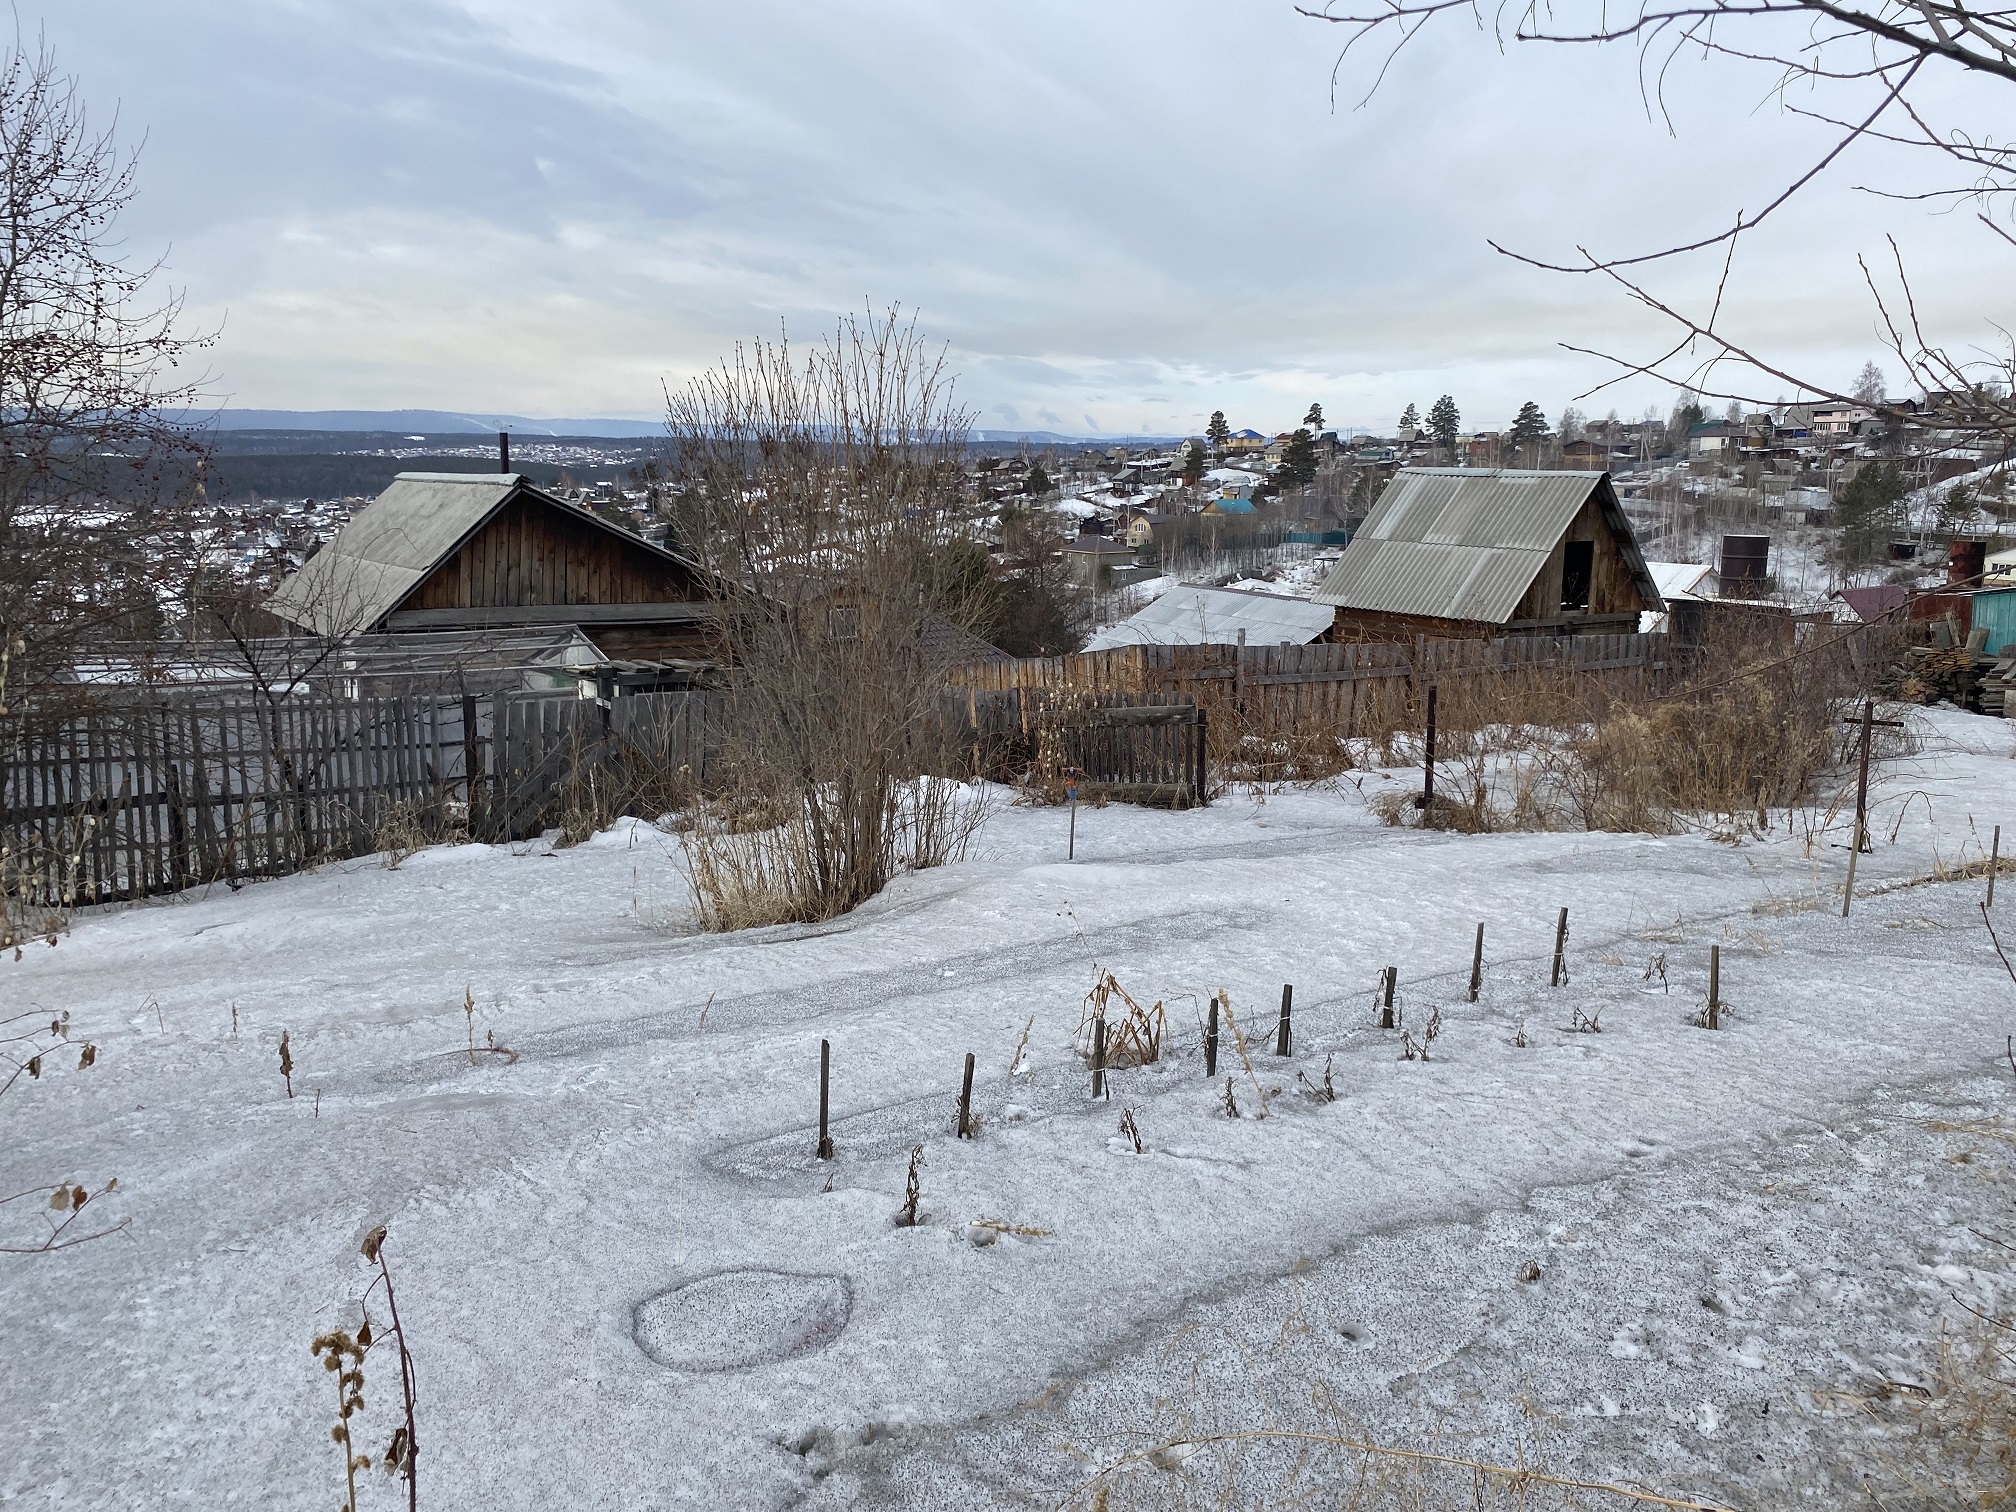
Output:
x=489 y=551
x=1459 y=553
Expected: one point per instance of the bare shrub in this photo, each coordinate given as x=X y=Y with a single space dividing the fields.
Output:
x=826 y=496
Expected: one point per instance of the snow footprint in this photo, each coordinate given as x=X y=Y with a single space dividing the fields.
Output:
x=738 y=1319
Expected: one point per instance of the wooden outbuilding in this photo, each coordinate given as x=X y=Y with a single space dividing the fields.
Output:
x=489 y=551
x=1461 y=553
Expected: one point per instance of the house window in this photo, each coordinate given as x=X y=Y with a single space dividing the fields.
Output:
x=1578 y=564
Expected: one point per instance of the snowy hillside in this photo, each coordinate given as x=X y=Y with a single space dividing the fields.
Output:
x=629 y=1281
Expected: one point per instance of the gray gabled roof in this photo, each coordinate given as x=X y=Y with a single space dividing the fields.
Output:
x=393 y=543
x=1198 y=616
x=1465 y=544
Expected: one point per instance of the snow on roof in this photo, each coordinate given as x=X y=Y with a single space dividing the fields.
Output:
x=1679 y=579
x=1194 y=616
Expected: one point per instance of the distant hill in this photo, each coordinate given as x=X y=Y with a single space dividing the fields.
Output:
x=419 y=422
x=463 y=423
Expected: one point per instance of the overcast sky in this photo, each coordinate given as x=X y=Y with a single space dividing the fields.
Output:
x=1121 y=215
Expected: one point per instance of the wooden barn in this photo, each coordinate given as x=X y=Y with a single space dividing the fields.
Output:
x=489 y=551
x=1462 y=553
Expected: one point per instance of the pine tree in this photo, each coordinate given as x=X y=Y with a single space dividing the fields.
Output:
x=1870 y=510
x=1314 y=419
x=1039 y=481
x=1410 y=419
x=1193 y=461
x=1445 y=424
x=1529 y=429
x=1218 y=432
x=1297 y=468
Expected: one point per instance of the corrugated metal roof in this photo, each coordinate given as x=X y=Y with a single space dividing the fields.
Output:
x=1460 y=543
x=388 y=547
x=1191 y=616
x=393 y=543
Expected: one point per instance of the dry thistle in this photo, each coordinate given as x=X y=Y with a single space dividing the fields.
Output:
x=1018 y=1063
x=913 y=1191
x=1129 y=1129
x=1585 y=1023
x=1324 y=1093
x=344 y=1355
x=1657 y=967
x=469 y=1018
x=1231 y=1102
x=286 y=1064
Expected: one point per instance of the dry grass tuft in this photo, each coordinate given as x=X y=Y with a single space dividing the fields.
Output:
x=1133 y=1038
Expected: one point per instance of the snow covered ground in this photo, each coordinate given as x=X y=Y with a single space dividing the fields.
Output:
x=630 y=1282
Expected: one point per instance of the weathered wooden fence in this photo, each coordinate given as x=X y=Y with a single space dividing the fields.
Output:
x=125 y=798
x=128 y=797
x=139 y=795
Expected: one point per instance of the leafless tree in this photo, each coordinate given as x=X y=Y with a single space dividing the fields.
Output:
x=826 y=493
x=1864 y=68
x=91 y=374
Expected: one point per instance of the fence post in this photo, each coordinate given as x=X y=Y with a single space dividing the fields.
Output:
x=1714 y=986
x=966 y=1100
x=1428 y=763
x=1282 y=1038
x=1099 y=1057
x=1211 y=1043
x=825 y=1073
x=1392 y=980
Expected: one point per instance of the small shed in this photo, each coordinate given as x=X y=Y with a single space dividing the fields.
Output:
x=489 y=551
x=1459 y=552
x=1192 y=616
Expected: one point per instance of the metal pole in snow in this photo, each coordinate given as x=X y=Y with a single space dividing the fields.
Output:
x=1477 y=965
x=1714 y=986
x=1211 y=1043
x=1994 y=861
x=1560 y=950
x=966 y=1101
x=1282 y=1038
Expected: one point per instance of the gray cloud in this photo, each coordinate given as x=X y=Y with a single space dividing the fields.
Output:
x=1129 y=213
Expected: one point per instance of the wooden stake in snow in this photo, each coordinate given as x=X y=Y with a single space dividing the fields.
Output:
x=1211 y=1043
x=1477 y=965
x=1282 y=1036
x=1099 y=1057
x=1994 y=863
x=1428 y=763
x=1560 y=951
x=1714 y=986
x=1386 y=986
x=825 y=1075
x=966 y=1100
